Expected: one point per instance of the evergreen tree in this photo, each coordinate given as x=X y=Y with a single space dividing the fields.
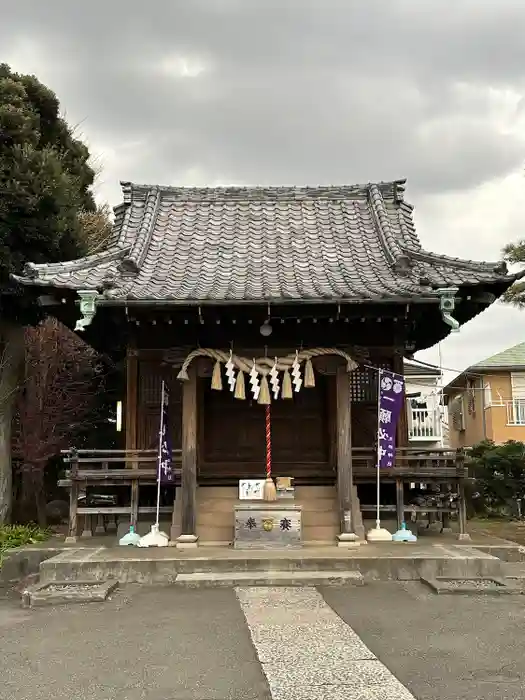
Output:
x=514 y=253
x=45 y=184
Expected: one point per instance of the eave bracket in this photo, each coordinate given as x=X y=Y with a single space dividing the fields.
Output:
x=447 y=304
x=88 y=307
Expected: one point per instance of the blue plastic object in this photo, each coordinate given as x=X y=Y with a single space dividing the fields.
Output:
x=404 y=535
x=130 y=538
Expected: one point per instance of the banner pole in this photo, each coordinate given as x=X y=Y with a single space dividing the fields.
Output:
x=159 y=456
x=378 y=455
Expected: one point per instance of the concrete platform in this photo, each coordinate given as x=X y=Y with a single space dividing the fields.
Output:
x=383 y=562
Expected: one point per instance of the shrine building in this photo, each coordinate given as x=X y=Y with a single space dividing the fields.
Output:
x=212 y=289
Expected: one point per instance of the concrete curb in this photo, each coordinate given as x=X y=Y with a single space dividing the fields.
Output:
x=269 y=578
x=464 y=586
x=66 y=592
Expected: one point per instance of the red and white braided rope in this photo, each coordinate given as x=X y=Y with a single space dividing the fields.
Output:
x=268 y=444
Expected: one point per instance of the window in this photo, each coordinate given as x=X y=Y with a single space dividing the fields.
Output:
x=516 y=411
x=517 y=381
x=487 y=395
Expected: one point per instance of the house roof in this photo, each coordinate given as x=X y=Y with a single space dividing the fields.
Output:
x=511 y=358
x=508 y=360
x=414 y=370
x=272 y=244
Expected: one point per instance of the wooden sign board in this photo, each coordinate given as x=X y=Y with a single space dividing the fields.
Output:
x=251 y=489
x=267 y=525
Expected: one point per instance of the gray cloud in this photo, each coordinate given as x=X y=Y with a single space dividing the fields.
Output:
x=297 y=91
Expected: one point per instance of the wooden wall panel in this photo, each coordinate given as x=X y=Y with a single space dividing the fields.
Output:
x=233 y=431
x=131 y=402
x=150 y=375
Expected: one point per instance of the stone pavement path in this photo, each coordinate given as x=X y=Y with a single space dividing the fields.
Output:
x=307 y=651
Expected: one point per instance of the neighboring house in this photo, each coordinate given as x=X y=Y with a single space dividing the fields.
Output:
x=487 y=400
x=424 y=410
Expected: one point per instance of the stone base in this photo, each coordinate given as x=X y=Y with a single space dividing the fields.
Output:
x=348 y=540
x=71 y=540
x=464 y=537
x=187 y=542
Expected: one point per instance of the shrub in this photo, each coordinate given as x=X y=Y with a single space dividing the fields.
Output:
x=499 y=473
x=12 y=536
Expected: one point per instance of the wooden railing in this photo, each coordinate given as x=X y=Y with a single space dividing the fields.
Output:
x=413 y=463
x=89 y=469
x=110 y=468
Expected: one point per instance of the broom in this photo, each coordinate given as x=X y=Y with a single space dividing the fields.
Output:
x=269 y=491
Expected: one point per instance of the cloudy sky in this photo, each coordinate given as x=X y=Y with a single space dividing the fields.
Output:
x=304 y=92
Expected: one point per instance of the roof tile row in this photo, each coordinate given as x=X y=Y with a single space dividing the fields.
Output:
x=269 y=244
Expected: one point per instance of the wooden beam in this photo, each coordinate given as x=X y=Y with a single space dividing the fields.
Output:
x=189 y=454
x=131 y=402
x=344 y=451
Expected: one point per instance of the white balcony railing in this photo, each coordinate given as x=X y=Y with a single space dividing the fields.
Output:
x=424 y=424
x=515 y=412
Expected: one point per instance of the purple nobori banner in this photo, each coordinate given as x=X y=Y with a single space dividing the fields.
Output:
x=390 y=404
x=165 y=468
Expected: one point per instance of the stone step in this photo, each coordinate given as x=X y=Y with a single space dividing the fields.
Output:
x=218 y=492
x=270 y=578
x=322 y=505
x=384 y=563
x=314 y=492
x=323 y=518
x=216 y=505
x=221 y=518
x=225 y=518
x=322 y=533
x=66 y=592
x=218 y=532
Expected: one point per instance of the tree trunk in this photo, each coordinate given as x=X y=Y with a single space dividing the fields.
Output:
x=39 y=495
x=11 y=359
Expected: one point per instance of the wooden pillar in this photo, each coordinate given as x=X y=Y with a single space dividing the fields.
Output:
x=462 y=512
x=73 y=500
x=400 y=502
x=134 y=503
x=347 y=536
x=131 y=402
x=462 y=501
x=188 y=536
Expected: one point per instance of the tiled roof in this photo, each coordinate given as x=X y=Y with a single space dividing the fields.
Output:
x=275 y=244
x=511 y=357
x=414 y=370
